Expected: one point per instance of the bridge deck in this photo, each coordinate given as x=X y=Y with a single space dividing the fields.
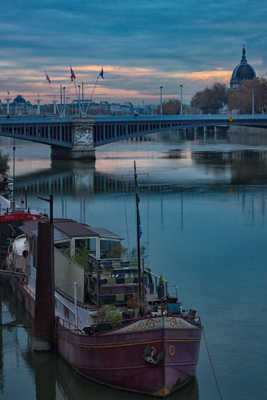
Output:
x=62 y=132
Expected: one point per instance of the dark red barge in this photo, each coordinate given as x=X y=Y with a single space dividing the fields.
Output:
x=155 y=353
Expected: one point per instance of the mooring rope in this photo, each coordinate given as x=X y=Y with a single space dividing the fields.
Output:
x=212 y=367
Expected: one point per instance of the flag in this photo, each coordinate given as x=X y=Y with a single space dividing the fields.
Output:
x=72 y=75
x=48 y=79
x=101 y=74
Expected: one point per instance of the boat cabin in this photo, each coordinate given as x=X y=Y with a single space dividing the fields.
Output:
x=72 y=238
x=74 y=245
x=91 y=259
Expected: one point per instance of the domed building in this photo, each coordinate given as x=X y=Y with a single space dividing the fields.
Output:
x=242 y=72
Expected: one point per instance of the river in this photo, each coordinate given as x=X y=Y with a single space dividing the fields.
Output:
x=203 y=214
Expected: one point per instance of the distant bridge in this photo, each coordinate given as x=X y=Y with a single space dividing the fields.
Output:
x=77 y=138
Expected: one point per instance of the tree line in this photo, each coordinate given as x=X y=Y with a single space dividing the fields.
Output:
x=220 y=98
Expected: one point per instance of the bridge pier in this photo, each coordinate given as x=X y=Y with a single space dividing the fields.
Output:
x=83 y=142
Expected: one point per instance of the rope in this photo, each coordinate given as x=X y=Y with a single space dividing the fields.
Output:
x=212 y=366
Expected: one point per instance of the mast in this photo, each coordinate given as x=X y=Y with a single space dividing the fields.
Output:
x=14 y=171
x=138 y=235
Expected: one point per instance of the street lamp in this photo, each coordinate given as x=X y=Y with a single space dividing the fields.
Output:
x=79 y=87
x=161 y=111
x=252 y=101
x=7 y=105
x=181 y=99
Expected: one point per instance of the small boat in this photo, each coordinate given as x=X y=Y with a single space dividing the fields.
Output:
x=10 y=221
x=19 y=215
x=10 y=212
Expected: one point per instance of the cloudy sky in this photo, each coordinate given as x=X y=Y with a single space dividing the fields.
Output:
x=141 y=44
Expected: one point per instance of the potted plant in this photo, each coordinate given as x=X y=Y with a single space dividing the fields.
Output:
x=161 y=287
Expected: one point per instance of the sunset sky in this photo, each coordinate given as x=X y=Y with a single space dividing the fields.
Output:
x=141 y=45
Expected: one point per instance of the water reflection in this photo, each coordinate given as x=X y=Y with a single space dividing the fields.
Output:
x=53 y=379
x=183 y=171
x=202 y=227
x=61 y=381
x=247 y=166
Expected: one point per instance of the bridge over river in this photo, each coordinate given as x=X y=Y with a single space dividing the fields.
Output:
x=77 y=138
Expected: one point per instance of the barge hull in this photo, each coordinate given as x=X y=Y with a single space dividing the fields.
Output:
x=118 y=359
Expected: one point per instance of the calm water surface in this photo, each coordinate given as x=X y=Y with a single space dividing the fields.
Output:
x=203 y=212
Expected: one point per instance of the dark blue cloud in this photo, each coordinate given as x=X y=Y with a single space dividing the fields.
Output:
x=168 y=35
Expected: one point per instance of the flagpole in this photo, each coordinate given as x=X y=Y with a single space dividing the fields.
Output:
x=79 y=88
x=60 y=91
x=138 y=231
x=87 y=108
x=101 y=74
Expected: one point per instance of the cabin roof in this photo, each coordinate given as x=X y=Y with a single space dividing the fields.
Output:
x=72 y=229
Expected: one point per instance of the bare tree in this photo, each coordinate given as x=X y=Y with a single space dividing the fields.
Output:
x=211 y=100
x=241 y=99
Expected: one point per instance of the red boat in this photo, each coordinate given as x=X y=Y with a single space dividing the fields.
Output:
x=19 y=216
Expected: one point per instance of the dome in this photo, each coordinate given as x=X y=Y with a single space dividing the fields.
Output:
x=242 y=72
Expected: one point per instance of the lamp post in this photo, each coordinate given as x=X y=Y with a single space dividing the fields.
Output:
x=79 y=88
x=38 y=101
x=161 y=111
x=64 y=101
x=60 y=94
x=82 y=97
x=181 y=99
x=252 y=101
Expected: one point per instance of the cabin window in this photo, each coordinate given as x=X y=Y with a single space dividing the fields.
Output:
x=89 y=244
x=110 y=249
